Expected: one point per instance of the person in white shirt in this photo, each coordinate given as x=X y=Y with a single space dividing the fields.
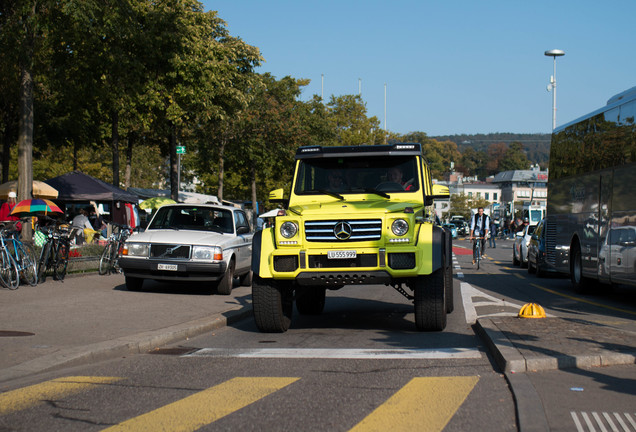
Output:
x=81 y=221
x=479 y=225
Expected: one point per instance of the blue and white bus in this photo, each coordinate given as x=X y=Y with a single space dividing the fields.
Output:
x=591 y=212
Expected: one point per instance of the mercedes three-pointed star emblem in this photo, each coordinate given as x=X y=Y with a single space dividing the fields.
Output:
x=342 y=231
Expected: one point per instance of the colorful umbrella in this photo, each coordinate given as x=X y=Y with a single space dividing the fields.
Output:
x=35 y=207
x=155 y=203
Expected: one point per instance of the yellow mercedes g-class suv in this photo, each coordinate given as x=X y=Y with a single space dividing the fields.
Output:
x=356 y=215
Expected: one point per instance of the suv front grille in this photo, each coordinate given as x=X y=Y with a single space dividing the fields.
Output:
x=347 y=230
x=170 y=251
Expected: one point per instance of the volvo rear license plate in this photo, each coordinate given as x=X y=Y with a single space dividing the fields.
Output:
x=341 y=254
x=170 y=267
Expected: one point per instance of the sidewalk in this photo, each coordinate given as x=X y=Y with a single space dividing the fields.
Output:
x=92 y=317
x=527 y=345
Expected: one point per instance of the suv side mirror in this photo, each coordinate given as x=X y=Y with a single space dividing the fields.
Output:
x=276 y=196
x=439 y=192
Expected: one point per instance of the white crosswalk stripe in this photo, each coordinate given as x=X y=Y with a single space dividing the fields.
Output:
x=604 y=422
x=337 y=353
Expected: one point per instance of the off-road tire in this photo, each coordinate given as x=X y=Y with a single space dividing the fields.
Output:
x=430 y=308
x=225 y=284
x=134 y=284
x=273 y=304
x=310 y=300
x=448 y=288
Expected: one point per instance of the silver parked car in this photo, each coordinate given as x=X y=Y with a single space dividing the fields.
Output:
x=191 y=242
x=520 y=246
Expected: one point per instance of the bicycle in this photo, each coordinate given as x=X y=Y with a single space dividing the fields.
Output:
x=23 y=254
x=110 y=257
x=477 y=250
x=55 y=252
x=9 y=274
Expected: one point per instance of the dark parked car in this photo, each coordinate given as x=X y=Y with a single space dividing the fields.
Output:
x=537 y=251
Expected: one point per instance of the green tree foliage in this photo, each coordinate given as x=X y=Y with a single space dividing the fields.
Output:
x=439 y=154
x=514 y=158
x=348 y=114
x=117 y=84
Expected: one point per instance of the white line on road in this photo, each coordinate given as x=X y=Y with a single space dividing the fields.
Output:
x=334 y=353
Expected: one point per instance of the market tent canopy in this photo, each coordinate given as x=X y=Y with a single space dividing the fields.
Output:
x=77 y=186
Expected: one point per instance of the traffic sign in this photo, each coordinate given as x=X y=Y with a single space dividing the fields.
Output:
x=181 y=150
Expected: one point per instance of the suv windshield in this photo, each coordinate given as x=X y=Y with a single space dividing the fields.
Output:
x=195 y=218
x=339 y=176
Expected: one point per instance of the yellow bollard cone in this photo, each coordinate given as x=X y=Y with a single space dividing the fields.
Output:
x=531 y=310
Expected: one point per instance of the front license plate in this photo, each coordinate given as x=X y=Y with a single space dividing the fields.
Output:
x=341 y=254
x=170 y=267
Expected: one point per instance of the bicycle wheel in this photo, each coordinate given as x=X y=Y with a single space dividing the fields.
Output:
x=478 y=253
x=43 y=262
x=28 y=269
x=106 y=261
x=9 y=275
x=61 y=260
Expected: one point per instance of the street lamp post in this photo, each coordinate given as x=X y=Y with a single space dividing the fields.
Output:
x=552 y=86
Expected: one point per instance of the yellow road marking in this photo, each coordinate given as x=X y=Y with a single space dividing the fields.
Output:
x=200 y=409
x=582 y=300
x=424 y=404
x=519 y=276
x=27 y=397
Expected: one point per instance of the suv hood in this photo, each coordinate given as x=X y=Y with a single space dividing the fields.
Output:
x=377 y=207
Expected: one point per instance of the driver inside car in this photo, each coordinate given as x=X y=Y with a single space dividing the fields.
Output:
x=395 y=175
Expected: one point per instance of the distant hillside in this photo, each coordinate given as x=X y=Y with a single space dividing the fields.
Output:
x=537 y=146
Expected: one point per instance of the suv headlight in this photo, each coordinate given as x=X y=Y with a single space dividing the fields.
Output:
x=288 y=229
x=400 y=227
x=136 y=249
x=207 y=253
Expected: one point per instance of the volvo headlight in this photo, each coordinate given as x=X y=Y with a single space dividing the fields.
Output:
x=400 y=227
x=136 y=249
x=288 y=229
x=207 y=253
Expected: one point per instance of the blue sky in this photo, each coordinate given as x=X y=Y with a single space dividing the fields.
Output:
x=450 y=67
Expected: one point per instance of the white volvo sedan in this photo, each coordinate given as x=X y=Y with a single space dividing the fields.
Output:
x=191 y=242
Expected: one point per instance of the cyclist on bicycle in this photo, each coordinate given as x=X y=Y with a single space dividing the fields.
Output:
x=479 y=224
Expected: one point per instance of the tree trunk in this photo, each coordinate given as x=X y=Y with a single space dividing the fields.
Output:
x=115 y=148
x=221 y=166
x=174 y=168
x=25 y=137
x=129 y=154
x=254 y=201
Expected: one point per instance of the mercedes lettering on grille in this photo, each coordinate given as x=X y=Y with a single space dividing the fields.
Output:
x=342 y=231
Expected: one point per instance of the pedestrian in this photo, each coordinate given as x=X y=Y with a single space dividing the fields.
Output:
x=492 y=240
x=7 y=207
